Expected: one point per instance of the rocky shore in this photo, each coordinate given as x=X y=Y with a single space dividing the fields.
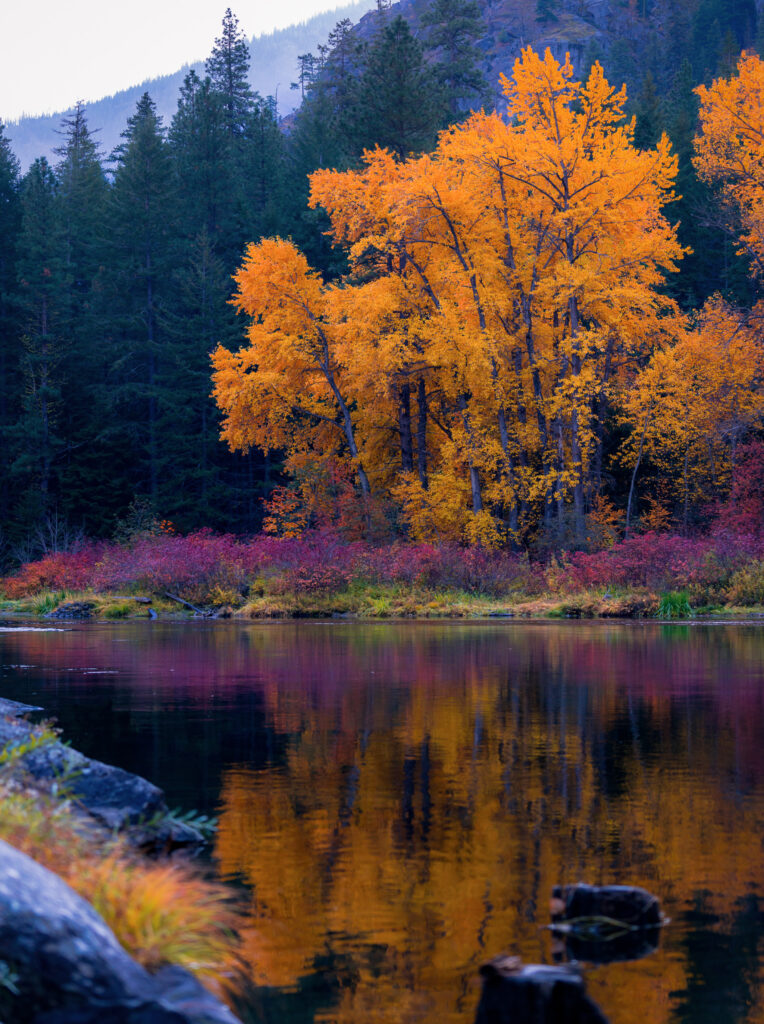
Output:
x=59 y=961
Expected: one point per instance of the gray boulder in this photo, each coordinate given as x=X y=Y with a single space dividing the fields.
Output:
x=111 y=797
x=68 y=967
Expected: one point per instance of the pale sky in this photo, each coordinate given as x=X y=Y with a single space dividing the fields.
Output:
x=55 y=52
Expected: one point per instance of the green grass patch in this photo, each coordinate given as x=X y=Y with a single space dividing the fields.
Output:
x=674 y=605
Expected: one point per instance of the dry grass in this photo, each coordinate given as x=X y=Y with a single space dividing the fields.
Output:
x=105 y=606
x=162 y=913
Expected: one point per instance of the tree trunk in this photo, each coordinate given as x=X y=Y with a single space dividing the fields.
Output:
x=404 y=426
x=477 y=494
x=421 y=433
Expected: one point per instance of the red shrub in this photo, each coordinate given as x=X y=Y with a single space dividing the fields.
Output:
x=61 y=570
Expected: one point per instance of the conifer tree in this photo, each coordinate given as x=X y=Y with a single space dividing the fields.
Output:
x=193 y=489
x=649 y=115
x=401 y=105
x=42 y=287
x=81 y=197
x=228 y=68
x=454 y=26
x=202 y=151
x=10 y=223
x=254 y=153
x=142 y=203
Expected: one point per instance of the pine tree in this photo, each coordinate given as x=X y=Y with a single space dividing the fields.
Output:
x=10 y=223
x=649 y=113
x=401 y=105
x=228 y=69
x=42 y=287
x=261 y=173
x=454 y=26
x=81 y=197
x=193 y=491
x=202 y=152
x=141 y=219
x=254 y=155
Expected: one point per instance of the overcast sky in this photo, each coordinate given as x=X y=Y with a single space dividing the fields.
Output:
x=55 y=52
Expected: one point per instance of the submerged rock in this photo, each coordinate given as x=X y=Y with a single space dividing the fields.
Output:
x=628 y=904
x=628 y=946
x=68 y=967
x=517 y=993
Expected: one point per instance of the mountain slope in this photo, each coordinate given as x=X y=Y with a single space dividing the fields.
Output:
x=273 y=67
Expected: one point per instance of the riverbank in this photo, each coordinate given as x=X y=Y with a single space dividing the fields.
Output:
x=372 y=603
x=120 y=914
x=319 y=576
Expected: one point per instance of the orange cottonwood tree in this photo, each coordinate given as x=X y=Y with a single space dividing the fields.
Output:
x=531 y=252
x=288 y=389
x=502 y=282
x=691 y=405
x=730 y=149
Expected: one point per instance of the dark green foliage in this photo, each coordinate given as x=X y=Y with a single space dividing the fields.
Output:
x=193 y=485
x=42 y=298
x=546 y=11
x=10 y=224
x=451 y=30
x=137 y=283
x=201 y=149
x=401 y=105
x=81 y=199
x=227 y=68
x=649 y=126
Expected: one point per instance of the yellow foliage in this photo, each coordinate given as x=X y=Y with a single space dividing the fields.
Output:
x=499 y=289
x=692 y=400
x=730 y=148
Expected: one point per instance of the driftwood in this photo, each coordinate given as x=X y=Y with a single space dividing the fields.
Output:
x=174 y=597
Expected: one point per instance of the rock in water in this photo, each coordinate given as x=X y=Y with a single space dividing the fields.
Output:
x=69 y=968
x=514 y=993
x=628 y=904
x=110 y=796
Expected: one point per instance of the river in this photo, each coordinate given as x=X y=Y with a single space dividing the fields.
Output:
x=396 y=800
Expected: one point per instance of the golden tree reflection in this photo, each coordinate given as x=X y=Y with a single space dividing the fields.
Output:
x=418 y=830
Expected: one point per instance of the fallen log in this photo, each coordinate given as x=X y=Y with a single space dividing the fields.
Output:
x=174 y=597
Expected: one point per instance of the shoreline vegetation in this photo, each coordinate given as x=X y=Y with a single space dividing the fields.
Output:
x=318 y=575
x=120 y=857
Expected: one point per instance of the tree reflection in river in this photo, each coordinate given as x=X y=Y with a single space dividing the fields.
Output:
x=401 y=797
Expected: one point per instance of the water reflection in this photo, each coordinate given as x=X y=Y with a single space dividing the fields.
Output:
x=401 y=799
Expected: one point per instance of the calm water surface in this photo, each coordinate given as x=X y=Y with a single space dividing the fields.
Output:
x=398 y=800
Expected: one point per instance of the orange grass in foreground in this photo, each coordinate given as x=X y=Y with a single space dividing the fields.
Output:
x=161 y=913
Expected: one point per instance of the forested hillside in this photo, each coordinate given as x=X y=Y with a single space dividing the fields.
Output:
x=409 y=394
x=272 y=59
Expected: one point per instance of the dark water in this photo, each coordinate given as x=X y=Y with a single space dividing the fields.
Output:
x=400 y=799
